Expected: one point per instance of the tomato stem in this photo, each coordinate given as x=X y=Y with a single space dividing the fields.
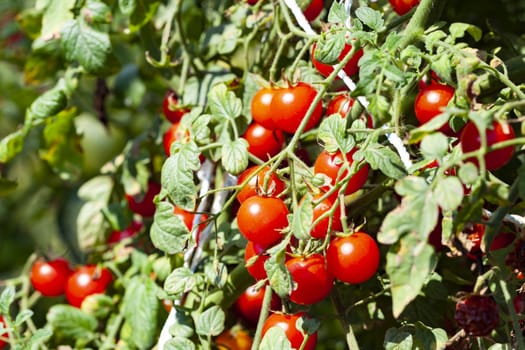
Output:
x=265 y=310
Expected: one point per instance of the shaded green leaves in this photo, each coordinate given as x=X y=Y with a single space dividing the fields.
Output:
x=6 y=299
x=275 y=339
x=96 y=11
x=127 y=6
x=337 y=13
x=179 y=343
x=332 y=132
x=12 y=144
x=210 y=322
x=409 y=262
x=458 y=30
x=416 y=336
x=329 y=48
x=168 y=233
x=48 y=104
x=224 y=105
x=180 y=281
x=70 y=322
x=85 y=45
x=301 y=218
x=384 y=159
x=278 y=275
x=449 y=193
x=235 y=156
x=371 y=18
x=140 y=307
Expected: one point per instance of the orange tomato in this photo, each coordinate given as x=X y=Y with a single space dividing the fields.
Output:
x=234 y=339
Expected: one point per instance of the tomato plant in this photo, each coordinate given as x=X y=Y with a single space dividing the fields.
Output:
x=255 y=257
x=234 y=339
x=50 y=277
x=261 y=107
x=321 y=221
x=171 y=107
x=86 y=280
x=249 y=304
x=330 y=165
x=289 y=324
x=256 y=183
x=431 y=101
x=403 y=6
x=142 y=204
x=312 y=280
x=129 y=232
x=351 y=68
x=263 y=143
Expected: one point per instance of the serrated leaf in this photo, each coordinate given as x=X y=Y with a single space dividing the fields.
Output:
x=179 y=343
x=337 y=13
x=6 y=299
x=229 y=38
x=180 y=281
x=301 y=219
x=332 y=132
x=234 y=156
x=56 y=14
x=210 y=322
x=48 y=104
x=434 y=146
x=384 y=159
x=127 y=6
x=12 y=144
x=70 y=322
x=96 y=11
x=449 y=193
x=168 y=233
x=177 y=174
x=371 y=18
x=140 y=306
x=429 y=338
x=38 y=337
x=408 y=264
x=22 y=317
x=224 y=105
x=278 y=275
x=396 y=339
x=275 y=339
x=329 y=48
x=85 y=45
x=458 y=30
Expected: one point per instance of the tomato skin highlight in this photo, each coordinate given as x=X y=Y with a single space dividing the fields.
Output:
x=255 y=186
x=260 y=219
x=256 y=269
x=50 y=277
x=260 y=107
x=249 y=304
x=288 y=324
x=312 y=280
x=330 y=163
x=85 y=281
x=353 y=259
x=263 y=143
x=430 y=102
x=289 y=106
x=403 y=6
x=351 y=68
x=144 y=206
x=470 y=140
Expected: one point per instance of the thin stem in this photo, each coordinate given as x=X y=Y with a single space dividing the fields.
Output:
x=351 y=340
x=265 y=310
x=416 y=25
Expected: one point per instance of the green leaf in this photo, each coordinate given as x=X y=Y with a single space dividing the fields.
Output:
x=62 y=149
x=48 y=104
x=85 y=45
x=56 y=14
x=143 y=13
x=127 y=6
x=7 y=186
x=278 y=275
x=337 y=13
x=140 y=306
x=458 y=30
x=210 y=322
x=224 y=105
x=70 y=322
x=329 y=48
x=332 y=132
x=180 y=281
x=179 y=343
x=12 y=144
x=397 y=339
x=429 y=127
x=177 y=174
x=168 y=233
x=429 y=338
x=384 y=159
x=371 y=18
x=434 y=146
x=469 y=173
x=275 y=339
x=449 y=193
x=301 y=219
x=96 y=11
x=408 y=264
x=6 y=299
x=22 y=317
x=234 y=156
x=229 y=38
x=38 y=337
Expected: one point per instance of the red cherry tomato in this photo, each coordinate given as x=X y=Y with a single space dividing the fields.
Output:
x=128 y=232
x=188 y=218
x=289 y=106
x=313 y=10
x=403 y=6
x=350 y=68
x=342 y=104
x=312 y=280
x=255 y=269
x=85 y=281
x=330 y=163
x=255 y=186
x=475 y=235
x=263 y=143
x=288 y=323
x=3 y=344
x=260 y=107
x=431 y=101
x=49 y=277
x=144 y=206
x=353 y=259
x=249 y=304
x=260 y=219
x=500 y=131
x=252 y=2
x=171 y=107
x=171 y=135
x=320 y=230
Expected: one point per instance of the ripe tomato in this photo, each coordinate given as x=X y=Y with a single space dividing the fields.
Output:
x=288 y=323
x=312 y=280
x=263 y=143
x=144 y=205
x=171 y=135
x=234 y=339
x=255 y=186
x=330 y=163
x=260 y=219
x=353 y=259
x=50 y=277
x=403 y=6
x=320 y=230
x=3 y=344
x=430 y=101
x=350 y=68
x=85 y=281
x=289 y=106
x=128 y=232
x=188 y=218
x=256 y=269
x=342 y=104
x=313 y=10
x=171 y=107
x=260 y=107
x=249 y=304
x=500 y=131
x=475 y=235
